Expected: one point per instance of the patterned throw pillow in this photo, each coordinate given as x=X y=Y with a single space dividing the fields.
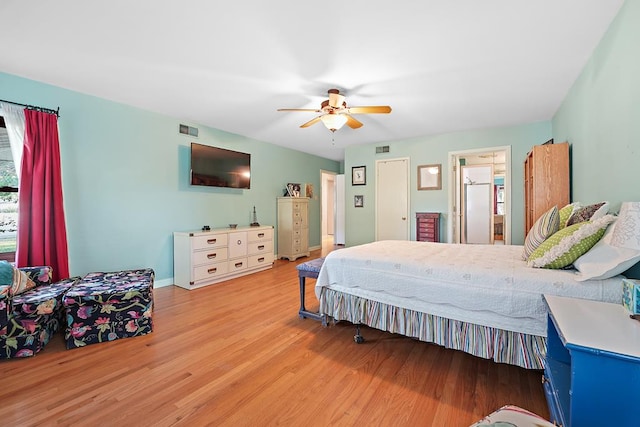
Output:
x=568 y=244
x=565 y=213
x=586 y=213
x=16 y=279
x=544 y=227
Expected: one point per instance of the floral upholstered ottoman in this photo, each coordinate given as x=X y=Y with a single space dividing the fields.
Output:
x=107 y=306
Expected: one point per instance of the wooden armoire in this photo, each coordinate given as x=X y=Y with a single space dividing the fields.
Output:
x=546 y=180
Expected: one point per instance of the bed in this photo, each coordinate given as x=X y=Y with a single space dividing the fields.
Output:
x=481 y=299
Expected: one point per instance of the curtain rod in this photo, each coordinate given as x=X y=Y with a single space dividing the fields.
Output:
x=36 y=108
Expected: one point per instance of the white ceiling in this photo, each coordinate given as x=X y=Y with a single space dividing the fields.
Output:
x=442 y=65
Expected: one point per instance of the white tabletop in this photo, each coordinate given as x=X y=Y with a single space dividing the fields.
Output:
x=594 y=324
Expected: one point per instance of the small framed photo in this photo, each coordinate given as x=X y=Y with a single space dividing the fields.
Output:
x=359 y=175
x=358 y=201
x=430 y=177
x=293 y=189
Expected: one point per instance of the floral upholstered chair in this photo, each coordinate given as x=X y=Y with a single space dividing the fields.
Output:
x=30 y=309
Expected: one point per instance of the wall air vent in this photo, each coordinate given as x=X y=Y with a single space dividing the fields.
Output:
x=382 y=149
x=189 y=130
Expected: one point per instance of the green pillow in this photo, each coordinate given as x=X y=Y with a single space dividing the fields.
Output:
x=565 y=213
x=569 y=244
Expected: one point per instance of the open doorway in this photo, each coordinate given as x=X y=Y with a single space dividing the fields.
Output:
x=494 y=217
x=327 y=207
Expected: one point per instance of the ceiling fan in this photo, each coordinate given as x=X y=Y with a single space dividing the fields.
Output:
x=335 y=113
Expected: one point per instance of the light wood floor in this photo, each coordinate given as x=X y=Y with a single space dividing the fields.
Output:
x=236 y=354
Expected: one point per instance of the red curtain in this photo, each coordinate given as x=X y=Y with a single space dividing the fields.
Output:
x=42 y=235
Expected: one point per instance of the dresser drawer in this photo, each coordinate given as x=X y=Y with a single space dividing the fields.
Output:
x=260 y=247
x=427 y=226
x=209 y=271
x=238 y=264
x=261 y=259
x=209 y=241
x=260 y=235
x=212 y=255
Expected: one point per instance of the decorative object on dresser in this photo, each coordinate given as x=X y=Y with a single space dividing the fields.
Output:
x=205 y=258
x=546 y=180
x=592 y=364
x=293 y=227
x=254 y=221
x=430 y=177
x=427 y=226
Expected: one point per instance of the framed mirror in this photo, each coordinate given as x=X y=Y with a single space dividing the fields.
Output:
x=430 y=177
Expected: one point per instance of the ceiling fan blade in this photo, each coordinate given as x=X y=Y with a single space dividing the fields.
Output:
x=352 y=123
x=374 y=109
x=300 y=109
x=311 y=122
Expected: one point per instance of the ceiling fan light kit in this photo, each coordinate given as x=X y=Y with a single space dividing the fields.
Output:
x=335 y=113
x=333 y=121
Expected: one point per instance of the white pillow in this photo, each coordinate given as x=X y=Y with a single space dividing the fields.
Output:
x=605 y=260
x=627 y=231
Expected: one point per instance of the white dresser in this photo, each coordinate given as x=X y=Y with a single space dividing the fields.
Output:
x=293 y=227
x=206 y=257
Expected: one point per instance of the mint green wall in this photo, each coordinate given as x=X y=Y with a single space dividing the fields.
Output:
x=125 y=179
x=360 y=222
x=600 y=117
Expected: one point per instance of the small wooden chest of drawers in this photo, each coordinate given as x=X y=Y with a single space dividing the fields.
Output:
x=427 y=226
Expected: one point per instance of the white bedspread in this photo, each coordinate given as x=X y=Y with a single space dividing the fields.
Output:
x=482 y=284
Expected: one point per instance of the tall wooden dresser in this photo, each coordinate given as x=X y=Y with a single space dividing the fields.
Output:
x=427 y=226
x=546 y=180
x=293 y=227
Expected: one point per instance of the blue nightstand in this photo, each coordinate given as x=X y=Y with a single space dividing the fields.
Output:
x=592 y=372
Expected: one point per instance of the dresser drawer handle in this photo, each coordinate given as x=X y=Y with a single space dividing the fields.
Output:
x=238 y=264
x=212 y=270
x=261 y=259
x=260 y=234
x=261 y=247
x=211 y=256
x=239 y=242
x=212 y=241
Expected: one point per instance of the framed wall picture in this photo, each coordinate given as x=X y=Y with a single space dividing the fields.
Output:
x=358 y=201
x=430 y=177
x=359 y=175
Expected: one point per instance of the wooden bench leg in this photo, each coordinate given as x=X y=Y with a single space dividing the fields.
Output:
x=303 y=312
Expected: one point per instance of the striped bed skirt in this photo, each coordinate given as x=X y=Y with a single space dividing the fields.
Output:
x=515 y=348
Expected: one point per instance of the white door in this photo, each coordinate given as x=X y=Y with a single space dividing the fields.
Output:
x=392 y=199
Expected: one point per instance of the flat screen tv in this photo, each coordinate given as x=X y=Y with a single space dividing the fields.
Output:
x=218 y=167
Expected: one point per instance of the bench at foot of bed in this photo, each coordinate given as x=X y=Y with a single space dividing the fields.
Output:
x=309 y=269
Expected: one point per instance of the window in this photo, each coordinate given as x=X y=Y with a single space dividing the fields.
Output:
x=8 y=198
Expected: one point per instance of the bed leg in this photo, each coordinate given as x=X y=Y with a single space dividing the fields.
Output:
x=359 y=339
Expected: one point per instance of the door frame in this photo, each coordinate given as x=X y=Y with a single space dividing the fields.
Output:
x=455 y=190
x=408 y=185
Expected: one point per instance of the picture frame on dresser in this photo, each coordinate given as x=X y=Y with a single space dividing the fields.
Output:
x=359 y=175
x=430 y=177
